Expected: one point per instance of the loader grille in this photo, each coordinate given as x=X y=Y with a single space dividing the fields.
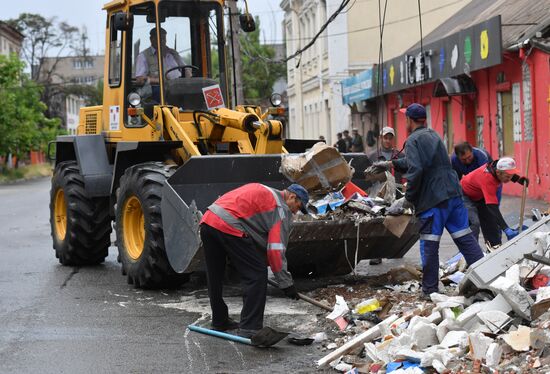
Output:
x=91 y=123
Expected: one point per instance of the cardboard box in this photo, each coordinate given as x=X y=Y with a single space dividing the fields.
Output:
x=321 y=169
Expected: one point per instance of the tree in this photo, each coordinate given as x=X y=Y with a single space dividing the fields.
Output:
x=44 y=37
x=260 y=71
x=46 y=41
x=22 y=122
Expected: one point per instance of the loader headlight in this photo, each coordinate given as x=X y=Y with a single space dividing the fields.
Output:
x=134 y=99
x=276 y=99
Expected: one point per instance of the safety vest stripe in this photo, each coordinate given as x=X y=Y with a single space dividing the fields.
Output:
x=276 y=246
x=461 y=233
x=430 y=237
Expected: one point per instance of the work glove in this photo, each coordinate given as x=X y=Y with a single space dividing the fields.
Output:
x=521 y=180
x=382 y=166
x=291 y=292
x=511 y=233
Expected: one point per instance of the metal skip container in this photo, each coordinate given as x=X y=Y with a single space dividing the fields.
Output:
x=319 y=247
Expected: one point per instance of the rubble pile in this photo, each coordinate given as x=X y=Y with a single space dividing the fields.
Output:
x=504 y=328
x=326 y=175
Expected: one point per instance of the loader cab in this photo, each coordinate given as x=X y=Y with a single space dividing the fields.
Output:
x=189 y=35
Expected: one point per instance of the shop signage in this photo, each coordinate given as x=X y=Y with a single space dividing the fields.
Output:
x=474 y=48
x=357 y=88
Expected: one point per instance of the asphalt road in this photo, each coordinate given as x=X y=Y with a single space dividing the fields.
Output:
x=56 y=319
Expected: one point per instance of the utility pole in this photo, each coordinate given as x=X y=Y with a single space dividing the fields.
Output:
x=236 y=53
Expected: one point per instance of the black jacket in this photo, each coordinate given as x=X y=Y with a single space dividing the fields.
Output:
x=430 y=177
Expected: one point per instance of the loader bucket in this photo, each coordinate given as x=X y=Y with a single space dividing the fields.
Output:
x=313 y=244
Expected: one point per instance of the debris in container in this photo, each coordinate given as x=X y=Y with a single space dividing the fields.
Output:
x=321 y=169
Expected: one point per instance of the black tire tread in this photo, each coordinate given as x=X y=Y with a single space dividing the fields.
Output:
x=88 y=221
x=152 y=270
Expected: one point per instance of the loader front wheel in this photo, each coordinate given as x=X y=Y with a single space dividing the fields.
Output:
x=80 y=225
x=140 y=236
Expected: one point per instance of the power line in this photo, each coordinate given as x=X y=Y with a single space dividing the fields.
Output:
x=371 y=27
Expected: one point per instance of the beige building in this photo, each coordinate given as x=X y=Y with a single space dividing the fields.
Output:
x=71 y=70
x=10 y=39
x=348 y=46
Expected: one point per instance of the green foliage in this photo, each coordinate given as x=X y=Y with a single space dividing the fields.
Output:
x=23 y=126
x=259 y=71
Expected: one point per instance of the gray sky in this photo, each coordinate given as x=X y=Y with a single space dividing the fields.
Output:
x=89 y=13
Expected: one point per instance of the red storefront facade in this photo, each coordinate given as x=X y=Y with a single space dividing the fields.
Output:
x=504 y=106
x=508 y=115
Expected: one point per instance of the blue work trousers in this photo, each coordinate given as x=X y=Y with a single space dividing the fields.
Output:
x=453 y=216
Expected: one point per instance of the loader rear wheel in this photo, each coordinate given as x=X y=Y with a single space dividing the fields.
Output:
x=80 y=225
x=140 y=236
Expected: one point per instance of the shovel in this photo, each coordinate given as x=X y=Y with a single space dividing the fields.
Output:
x=266 y=337
x=305 y=298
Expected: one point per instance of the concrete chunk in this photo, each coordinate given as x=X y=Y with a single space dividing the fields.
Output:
x=455 y=339
x=486 y=270
x=438 y=366
x=435 y=317
x=440 y=298
x=498 y=303
x=479 y=344
x=495 y=320
x=442 y=330
x=494 y=354
x=471 y=312
x=424 y=335
x=515 y=295
x=443 y=355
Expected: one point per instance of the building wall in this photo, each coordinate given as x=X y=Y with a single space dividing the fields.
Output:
x=349 y=45
x=484 y=108
x=10 y=40
x=401 y=26
x=72 y=70
x=307 y=76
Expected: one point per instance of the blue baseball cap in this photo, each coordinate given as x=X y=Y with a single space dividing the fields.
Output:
x=302 y=194
x=415 y=111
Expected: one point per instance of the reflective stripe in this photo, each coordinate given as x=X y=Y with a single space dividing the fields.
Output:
x=461 y=233
x=278 y=201
x=430 y=237
x=276 y=246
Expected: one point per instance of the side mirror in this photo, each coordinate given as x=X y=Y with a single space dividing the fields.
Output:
x=247 y=22
x=123 y=21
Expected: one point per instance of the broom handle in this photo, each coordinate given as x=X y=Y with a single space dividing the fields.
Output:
x=524 y=194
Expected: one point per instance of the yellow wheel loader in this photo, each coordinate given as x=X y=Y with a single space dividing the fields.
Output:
x=164 y=145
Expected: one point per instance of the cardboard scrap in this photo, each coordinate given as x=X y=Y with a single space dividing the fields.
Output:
x=321 y=169
x=519 y=340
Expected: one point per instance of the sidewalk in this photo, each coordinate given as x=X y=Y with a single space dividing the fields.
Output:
x=510 y=208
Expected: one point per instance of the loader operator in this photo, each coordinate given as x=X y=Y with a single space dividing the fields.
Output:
x=481 y=188
x=434 y=191
x=249 y=225
x=147 y=69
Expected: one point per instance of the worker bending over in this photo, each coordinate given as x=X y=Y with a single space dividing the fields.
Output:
x=481 y=188
x=434 y=191
x=249 y=225
x=466 y=158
